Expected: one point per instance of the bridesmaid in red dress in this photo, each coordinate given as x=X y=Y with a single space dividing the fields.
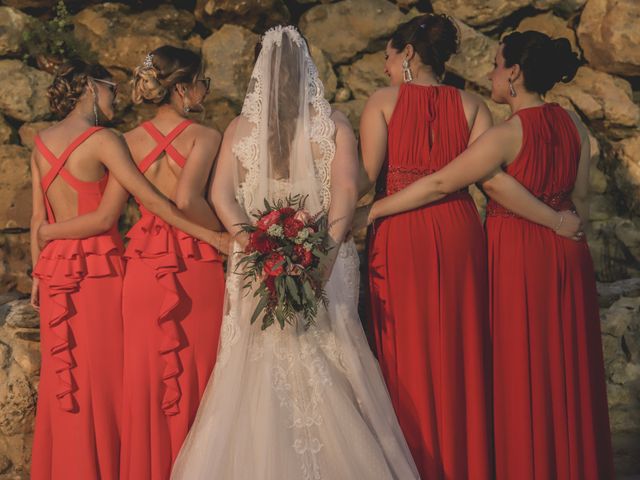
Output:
x=174 y=284
x=78 y=277
x=550 y=405
x=427 y=267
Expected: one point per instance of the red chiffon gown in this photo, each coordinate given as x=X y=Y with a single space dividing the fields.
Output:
x=428 y=288
x=77 y=430
x=550 y=404
x=172 y=303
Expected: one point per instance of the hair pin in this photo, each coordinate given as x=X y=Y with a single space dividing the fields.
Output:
x=148 y=61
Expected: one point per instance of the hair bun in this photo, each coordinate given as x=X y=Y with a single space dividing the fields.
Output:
x=434 y=38
x=544 y=61
x=162 y=69
x=146 y=86
x=69 y=84
x=566 y=60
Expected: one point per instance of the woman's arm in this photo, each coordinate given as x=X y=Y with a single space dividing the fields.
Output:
x=38 y=217
x=93 y=223
x=114 y=154
x=344 y=180
x=485 y=156
x=344 y=190
x=190 y=191
x=482 y=122
x=373 y=140
x=507 y=191
x=580 y=194
x=222 y=193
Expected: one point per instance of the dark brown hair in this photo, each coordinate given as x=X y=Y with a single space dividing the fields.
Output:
x=544 y=61
x=70 y=82
x=169 y=67
x=434 y=38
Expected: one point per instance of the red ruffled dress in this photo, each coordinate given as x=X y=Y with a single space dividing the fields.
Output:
x=77 y=428
x=172 y=305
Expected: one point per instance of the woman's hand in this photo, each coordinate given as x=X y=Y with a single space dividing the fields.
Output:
x=43 y=237
x=569 y=225
x=362 y=218
x=35 y=294
x=328 y=261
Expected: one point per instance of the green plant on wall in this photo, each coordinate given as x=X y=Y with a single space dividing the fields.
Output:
x=51 y=42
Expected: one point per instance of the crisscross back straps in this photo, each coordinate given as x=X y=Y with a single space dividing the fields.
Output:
x=57 y=163
x=163 y=144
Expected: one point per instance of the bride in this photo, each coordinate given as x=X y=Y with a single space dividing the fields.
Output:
x=293 y=403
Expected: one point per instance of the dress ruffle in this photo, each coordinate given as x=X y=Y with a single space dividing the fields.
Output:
x=161 y=247
x=62 y=265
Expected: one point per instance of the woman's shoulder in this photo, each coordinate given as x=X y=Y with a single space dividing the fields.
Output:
x=204 y=133
x=384 y=97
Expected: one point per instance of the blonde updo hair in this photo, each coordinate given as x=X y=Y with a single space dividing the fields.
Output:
x=164 y=68
x=70 y=82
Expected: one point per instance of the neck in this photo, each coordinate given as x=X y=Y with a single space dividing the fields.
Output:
x=82 y=114
x=524 y=100
x=425 y=76
x=169 y=111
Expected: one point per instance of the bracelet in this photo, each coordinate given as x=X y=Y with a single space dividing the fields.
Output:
x=560 y=223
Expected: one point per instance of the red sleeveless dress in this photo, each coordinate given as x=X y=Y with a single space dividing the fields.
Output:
x=427 y=279
x=550 y=404
x=172 y=303
x=77 y=428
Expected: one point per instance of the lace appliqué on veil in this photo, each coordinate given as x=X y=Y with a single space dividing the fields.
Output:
x=322 y=128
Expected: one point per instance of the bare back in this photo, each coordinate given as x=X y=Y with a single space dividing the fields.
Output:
x=83 y=164
x=164 y=173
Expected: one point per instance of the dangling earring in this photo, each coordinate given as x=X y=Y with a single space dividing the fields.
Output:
x=95 y=107
x=407 y=76
x=186 y=108
x=512 y=91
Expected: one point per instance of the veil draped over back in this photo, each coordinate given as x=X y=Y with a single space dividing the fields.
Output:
x=299 y=404
x=285 y=134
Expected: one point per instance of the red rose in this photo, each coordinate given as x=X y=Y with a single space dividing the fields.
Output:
x=269 y=219
x=260 y=242
x=292 y=227
x=271 y=266
x=305 y=257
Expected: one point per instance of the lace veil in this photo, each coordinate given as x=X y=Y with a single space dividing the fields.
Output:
x=284 y=139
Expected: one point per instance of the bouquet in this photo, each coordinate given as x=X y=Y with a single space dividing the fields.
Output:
x=285 y=248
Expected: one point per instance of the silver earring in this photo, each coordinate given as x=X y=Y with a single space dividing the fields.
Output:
x=407 y=76
x=95 y=107
x=512 y=91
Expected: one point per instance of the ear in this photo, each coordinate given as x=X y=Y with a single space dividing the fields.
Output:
x=516 y=72
x=181 y=89
x=409 y=52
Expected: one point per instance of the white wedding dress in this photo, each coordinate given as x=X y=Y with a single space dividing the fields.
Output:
x=293 y=404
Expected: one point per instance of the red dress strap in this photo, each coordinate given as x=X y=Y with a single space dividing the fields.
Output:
x=164 y=144
x=57 y=163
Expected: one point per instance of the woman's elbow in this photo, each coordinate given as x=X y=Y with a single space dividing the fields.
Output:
x=442 y=187
x=107 y=221
x=184 y=202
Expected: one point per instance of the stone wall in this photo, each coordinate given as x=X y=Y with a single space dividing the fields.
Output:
x=347 y=38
